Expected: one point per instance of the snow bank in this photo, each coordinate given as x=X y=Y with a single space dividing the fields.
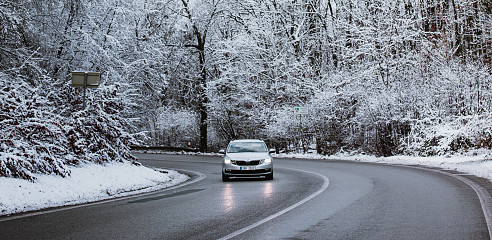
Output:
x=478 y=163
x=87 y=183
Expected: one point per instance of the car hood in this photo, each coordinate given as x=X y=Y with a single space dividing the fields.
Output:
x=245 y=156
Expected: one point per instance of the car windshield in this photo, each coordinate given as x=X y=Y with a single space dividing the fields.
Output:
x=246 y=147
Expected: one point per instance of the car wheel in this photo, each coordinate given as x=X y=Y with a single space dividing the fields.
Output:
x=225 y=178
x=269 y=176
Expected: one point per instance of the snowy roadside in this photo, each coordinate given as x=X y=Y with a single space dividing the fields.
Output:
x=479 y=165
x=87 y=183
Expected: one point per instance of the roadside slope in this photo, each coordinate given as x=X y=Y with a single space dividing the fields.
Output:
x=87 y=183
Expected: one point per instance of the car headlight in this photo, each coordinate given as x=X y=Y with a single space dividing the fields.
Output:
x=267 y=160
x=227 y=160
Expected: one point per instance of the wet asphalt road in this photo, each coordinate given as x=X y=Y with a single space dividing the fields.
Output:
x=361 y=201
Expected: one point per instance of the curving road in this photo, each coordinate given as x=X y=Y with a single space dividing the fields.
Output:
x=308 y=199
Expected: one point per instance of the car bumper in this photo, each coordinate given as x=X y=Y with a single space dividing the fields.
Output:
x=233 y=170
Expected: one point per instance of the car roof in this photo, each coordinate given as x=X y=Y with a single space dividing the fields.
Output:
x=247 y=140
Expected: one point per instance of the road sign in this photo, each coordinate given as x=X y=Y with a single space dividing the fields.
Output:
x=79 y=79
x=86 y=80
x=301 y=110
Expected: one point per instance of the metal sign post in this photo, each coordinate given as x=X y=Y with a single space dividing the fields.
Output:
x=86 y=80
x=85 y=88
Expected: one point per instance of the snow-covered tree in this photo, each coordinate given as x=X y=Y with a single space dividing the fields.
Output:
x=378 y=76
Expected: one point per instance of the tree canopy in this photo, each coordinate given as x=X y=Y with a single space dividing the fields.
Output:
x=378 y=76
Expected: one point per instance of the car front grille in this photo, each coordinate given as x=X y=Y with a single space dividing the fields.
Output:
x=257 y=171
x=247 y=163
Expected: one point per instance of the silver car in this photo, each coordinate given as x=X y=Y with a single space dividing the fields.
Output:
x=247 y=158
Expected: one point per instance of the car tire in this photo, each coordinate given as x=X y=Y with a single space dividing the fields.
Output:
x=225 y=178
x=269 y=176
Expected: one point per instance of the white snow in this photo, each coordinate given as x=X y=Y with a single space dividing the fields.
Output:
x=88 y=182
x=478 y=163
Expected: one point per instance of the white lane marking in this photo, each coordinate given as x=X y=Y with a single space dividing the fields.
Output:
x=483 y=195
x=247 y=228
x=200 y=177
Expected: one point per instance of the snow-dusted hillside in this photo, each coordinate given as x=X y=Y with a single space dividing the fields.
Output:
x=43 y=131
x=88 y=182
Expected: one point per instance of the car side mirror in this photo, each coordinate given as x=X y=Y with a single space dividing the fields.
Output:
x=222 y=151
x=272 y=150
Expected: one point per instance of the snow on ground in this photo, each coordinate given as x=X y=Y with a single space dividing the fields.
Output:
x=477 y=163
x=87 y=183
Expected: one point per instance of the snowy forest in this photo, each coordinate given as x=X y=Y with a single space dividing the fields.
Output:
x=381 y=77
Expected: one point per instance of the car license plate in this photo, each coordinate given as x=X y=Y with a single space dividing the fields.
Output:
x=247 y=168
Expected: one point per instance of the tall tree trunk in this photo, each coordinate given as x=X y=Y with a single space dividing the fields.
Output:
x=202 y=89
x=203 y=96
x=457 y=40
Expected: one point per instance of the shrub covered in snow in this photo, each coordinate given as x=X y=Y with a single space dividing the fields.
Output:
x=32 y=138
x=43 y=131
x=448 y=136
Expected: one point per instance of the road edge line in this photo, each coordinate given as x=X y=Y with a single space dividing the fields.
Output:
x=483 y=196
x=326 y=183
x=200 y=177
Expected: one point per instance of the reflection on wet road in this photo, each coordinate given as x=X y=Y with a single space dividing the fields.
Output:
x=267 y=190
x=228 y=198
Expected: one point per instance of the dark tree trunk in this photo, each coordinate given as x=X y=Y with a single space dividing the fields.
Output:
x=203 y=96
x=202 y=89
